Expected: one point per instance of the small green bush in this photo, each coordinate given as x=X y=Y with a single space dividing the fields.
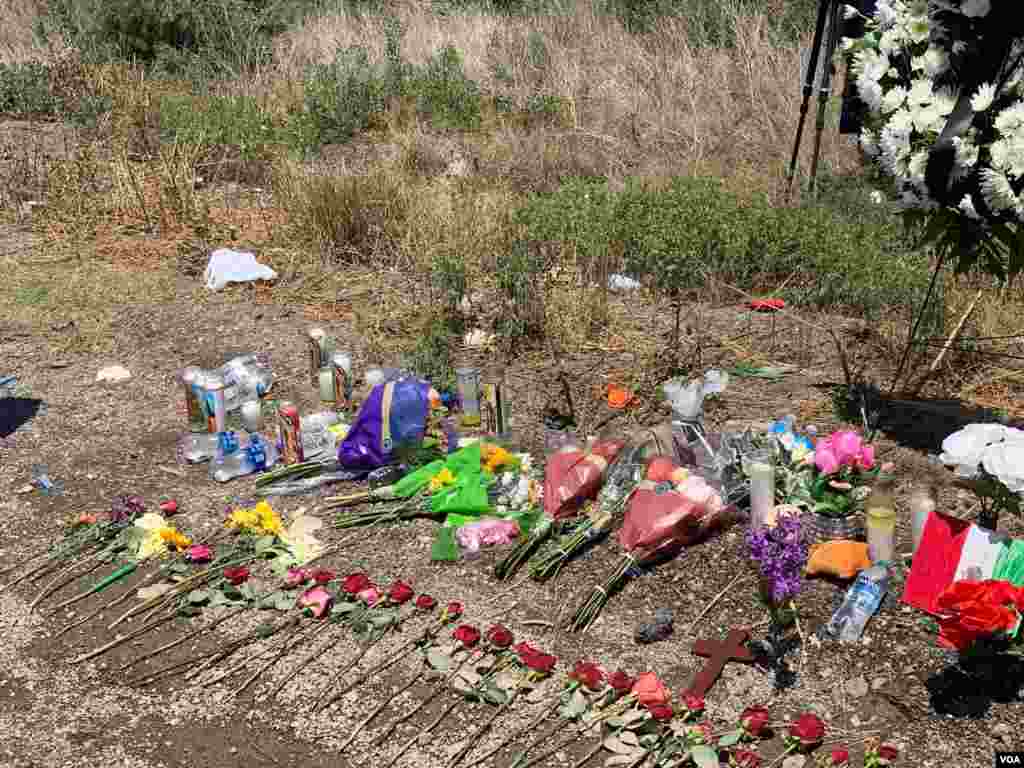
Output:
x=236 y=121
x=446 y=95
x=341 y=98
x=25 y=91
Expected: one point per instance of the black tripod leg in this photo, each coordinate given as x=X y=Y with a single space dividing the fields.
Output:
x=828 y=71
x=824 y=7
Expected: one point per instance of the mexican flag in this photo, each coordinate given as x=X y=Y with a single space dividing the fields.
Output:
x=956 y=550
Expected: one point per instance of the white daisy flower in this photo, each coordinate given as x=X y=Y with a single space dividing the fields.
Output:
x=997 y=190
x=967 y=206
x=975 y=9
x=894 y=99
x=984 y=97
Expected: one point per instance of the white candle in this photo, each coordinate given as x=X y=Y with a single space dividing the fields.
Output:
x=252 y=415
x=762 y=492
x=326 y=385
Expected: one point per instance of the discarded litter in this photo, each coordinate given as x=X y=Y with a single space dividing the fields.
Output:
x=619 y=282
x=42 y=482
x=113 y=374
x=228 y=266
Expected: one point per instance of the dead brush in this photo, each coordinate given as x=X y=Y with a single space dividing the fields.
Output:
x=24 y=171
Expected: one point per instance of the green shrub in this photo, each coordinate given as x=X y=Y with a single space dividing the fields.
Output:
x=225 y=35
x=236 y=121
x=341 y=97
x=842 y=252
x=445 y=94
x=520 y=282
x=25 y=91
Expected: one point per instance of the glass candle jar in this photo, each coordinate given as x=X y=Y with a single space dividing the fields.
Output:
x=759 y=466
x=880 y=510
x=467 y=381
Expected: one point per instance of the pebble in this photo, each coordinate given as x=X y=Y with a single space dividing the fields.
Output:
x=794 y=761
x=878 y=683
x=857 y=687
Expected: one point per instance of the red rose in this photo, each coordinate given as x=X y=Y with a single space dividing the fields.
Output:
x=745 y=758
x=467 y=635
x=767 y=305
x=587 y=674
x=169 y=507
x=425 y=603
x=524 y=648
x=649 y=690
x=661 y=712
x=539 y=662
x=693 y=703
x=620 y=682
x=237 y=575
x=400 y=593
x=355 y=583
x=499 y=636
x=840 y=756
x=808 y=729
x=453 y=610
x=888 y=752
x=323 y=576
x=754 y=721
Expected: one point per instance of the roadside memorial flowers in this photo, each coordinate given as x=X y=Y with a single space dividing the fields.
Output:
x=989 y=460
x=944 y=87
x=572 y=476
x=780 y=550
x=980 y=616
x=661 y=516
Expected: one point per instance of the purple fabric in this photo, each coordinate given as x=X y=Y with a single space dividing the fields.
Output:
x=363 y=446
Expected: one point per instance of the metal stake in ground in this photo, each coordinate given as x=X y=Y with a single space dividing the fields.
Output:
x=718 y=654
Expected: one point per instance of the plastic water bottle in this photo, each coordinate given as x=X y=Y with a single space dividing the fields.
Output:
x=234 y=460
x=246 y=378
x=318 y=439
x=862 y=601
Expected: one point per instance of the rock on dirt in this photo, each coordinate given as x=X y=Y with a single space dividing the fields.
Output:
x=857 y=687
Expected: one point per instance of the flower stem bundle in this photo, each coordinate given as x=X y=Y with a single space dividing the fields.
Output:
x=522 y=551
x=588 y=611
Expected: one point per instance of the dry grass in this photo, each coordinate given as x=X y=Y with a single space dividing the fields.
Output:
x=17 y=41
x=647 y=103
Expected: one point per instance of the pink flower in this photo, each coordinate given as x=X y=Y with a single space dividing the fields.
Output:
x=838 y=485
x=370 y=596
x=199 y=553
x=867 y=457
x=847 y=446
x=296 y=577
x=317 y=600
x=825 y=458
x=888 y=467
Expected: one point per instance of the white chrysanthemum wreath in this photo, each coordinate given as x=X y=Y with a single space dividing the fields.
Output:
x=912 y=65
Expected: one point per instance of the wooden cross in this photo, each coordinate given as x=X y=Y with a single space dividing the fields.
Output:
x=717 y=655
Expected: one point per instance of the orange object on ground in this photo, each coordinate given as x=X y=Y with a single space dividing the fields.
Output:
x=619 y=397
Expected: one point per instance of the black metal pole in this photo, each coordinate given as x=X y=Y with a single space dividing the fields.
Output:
x=824 y=6
x=827 y=72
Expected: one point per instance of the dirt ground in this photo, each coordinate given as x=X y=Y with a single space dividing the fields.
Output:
x=104 y=440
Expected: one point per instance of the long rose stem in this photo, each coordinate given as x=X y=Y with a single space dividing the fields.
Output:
x=304 y=663
x=119 y=640
x=580 y=732
x=438 y=687
x=303 y=635
x=587 y=757
x=474 y=739
x=184 y=639
x=380 y=708
x=55 y=584
x=428 y=635
x=255 y=654
x=359 y=657
x=437 y=721
x=515 y=734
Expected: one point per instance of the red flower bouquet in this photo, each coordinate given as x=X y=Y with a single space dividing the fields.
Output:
x=979 y=610
x=661 y=516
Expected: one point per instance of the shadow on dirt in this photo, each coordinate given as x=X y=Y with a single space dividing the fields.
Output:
x=970 y=688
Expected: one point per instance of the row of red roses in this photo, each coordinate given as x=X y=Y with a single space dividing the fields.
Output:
x=806 y=732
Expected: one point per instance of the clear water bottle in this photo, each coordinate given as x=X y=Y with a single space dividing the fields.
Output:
x=237 y=460
x=246 y=378
x=862 y=601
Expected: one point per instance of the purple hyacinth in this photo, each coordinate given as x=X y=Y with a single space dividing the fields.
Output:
x=125 y=508
x=781 y=554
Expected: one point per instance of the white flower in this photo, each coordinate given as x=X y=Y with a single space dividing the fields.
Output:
x=921 y=92
x=918 y=30
x=984 y=97
x=885 y=14
x=891 y=41
x=870 y=93
x=926 y=119
x=1010 y=119
x=918 y=162
x=944 y=100
x=966 y=152
x=869 y=142
x=894 y=99
x=1008 y=156
x=974 y=9
x=1005 y=461
x=964 y=448
x=870 y=65
x=877 y=197
x=997 y=190
x=849 y=12
x=967 y=206
x=935 y=61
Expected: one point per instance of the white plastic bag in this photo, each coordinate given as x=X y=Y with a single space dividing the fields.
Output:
x=228 y=266
x=688 y=401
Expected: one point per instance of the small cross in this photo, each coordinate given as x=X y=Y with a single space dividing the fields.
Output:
x=717 y=655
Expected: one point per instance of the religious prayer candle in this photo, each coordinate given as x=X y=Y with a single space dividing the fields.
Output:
x=326 y=384
x=761 y=471
x=881 y=524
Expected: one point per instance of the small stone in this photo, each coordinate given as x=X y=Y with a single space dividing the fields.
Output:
x=878 y=683
x=857 y=687
x=113 y=374
x=855 y=721
x=794 y=761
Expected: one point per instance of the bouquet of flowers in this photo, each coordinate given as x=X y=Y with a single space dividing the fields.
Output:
x=780 y=549
x=663 y=514
x=835 y=478
x=571 y=478
x=980 y=616
x=988 y=459
x=944 y=87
